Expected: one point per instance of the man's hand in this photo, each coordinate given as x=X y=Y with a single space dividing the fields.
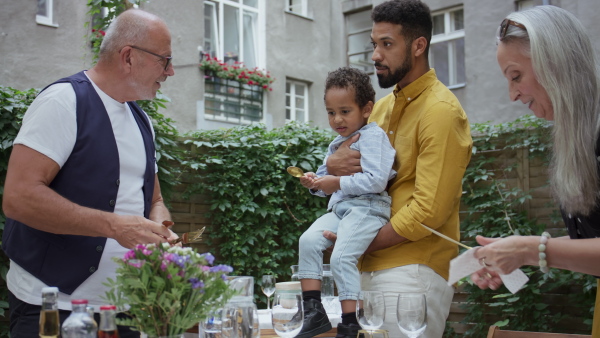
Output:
x=345 y=161
x=133 y=230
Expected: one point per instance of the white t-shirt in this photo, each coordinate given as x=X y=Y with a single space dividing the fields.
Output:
x=50 y=127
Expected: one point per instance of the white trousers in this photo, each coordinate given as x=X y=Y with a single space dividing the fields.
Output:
x=412 y=278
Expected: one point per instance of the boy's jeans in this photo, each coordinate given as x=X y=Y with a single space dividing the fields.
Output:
x=356 y=221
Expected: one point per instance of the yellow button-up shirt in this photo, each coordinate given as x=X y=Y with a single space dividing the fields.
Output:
x=430 y=132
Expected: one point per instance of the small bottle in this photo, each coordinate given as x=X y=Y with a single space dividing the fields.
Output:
x=49 y=322
x=108 y=324
x=79 y=324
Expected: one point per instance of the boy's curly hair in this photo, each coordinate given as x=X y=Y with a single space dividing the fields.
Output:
x=352 y=78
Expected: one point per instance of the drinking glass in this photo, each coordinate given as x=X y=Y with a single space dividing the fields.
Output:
x=327 y=289
x=412 y=314
x=268 y=287
x=294 y=273
x=212 y=325
x=370 y=310
x=287 y=315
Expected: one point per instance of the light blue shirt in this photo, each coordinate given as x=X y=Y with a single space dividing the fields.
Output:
x=376 y=159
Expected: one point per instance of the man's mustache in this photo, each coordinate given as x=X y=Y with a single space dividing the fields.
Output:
x=377 y=64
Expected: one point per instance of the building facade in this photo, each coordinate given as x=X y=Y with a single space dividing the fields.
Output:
x=296 y=41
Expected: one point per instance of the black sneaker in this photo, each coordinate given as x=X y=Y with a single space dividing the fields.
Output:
x=348 y=331
x=315 y=319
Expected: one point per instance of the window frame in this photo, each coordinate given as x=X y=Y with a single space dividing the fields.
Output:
x=48 y=19
x=304 y=5
x=258 y=36
x=450 y=34
x=292 y=95
x=370 y=70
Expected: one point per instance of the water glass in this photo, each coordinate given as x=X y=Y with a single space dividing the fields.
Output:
x=211 y=327
x=370 y=310
x=412 y=314
x=287 y=315
x=294 y=273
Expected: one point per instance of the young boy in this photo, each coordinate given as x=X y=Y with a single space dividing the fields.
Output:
x=359 y=205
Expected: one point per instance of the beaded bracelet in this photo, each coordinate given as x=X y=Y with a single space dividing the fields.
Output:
x=542 y=249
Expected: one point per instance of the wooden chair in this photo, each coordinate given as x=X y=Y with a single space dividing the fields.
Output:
x=496 y=332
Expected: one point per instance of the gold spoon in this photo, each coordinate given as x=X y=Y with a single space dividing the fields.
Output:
x=295 y=171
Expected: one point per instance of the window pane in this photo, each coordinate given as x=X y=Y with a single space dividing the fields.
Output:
x=287 y=100
x=438 y=24
x=299 y=89
x=439 y=53
x=458 y=20
x=295 y=6
x=299 y=102
x=251 y=3
x=359 y=42
x=300 y=116
x=210 y=30
x=288 y=114
x=287 y=87
x=231 y=32
x=250 y=39
x=362 y=61
x=459 y=47
x=359 y=21
x=42 y=8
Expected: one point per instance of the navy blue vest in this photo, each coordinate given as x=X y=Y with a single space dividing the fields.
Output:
x=90 y=178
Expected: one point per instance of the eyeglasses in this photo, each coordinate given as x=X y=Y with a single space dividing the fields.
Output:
x=504 y=27
x=167 y=58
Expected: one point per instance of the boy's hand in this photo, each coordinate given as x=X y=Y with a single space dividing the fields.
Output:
x=308 y=180
x=328 y=184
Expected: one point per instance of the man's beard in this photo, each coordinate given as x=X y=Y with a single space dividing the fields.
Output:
x=387 y=81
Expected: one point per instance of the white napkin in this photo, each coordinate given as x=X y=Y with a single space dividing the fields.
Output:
x=466 y=263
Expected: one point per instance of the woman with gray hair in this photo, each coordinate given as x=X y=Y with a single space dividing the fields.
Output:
x=548 y=60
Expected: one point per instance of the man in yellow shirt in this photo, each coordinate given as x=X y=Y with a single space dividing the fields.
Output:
x=430 y=132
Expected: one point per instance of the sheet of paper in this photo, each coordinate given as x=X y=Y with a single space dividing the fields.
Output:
x=466 y=263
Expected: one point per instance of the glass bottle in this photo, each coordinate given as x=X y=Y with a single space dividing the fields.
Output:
x=79 y=324
x=108 y=324
x=49 y=322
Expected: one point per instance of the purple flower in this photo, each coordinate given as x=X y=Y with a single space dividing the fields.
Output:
x=147 y=252
x=209 y=258
x=221 y=268
x=140 y=247
x=196 y=283
x=179 y=260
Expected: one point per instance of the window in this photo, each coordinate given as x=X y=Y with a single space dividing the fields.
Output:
x=296 y=101
x=231 y=101
x=360 y=50
x=299 y=7
x=447 y=51
x=44 y=13
x=231 y=31
x=231 y=35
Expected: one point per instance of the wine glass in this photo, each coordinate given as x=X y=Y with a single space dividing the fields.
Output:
x=287 y=315
x=268 y=287
x=412 y=314
x=370 y=310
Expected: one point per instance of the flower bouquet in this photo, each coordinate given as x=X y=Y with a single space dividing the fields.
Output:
x=167 y=289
